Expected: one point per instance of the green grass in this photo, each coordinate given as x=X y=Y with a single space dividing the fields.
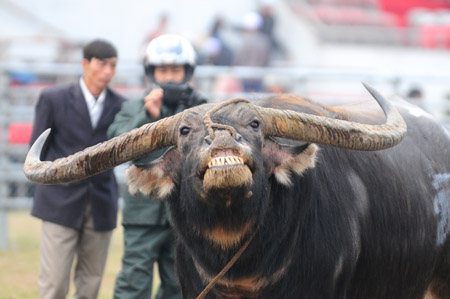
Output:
x=19 y=265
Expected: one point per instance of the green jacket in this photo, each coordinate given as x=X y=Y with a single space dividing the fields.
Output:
x=140 y=209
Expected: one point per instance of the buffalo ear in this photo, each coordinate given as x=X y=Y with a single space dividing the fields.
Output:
x=284 y=160
x=156 y=179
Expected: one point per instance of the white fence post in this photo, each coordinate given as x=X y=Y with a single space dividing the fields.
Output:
x=4 y=235
x=4 y=120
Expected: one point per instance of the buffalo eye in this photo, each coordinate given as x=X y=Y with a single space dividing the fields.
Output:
x=254 y=124
x=184 y=131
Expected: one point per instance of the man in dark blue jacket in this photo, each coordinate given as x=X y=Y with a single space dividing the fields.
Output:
x=78 y=218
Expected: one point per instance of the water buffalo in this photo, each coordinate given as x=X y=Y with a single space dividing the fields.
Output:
x=286 y=198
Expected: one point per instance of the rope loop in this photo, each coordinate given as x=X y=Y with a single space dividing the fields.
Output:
x=210 y=125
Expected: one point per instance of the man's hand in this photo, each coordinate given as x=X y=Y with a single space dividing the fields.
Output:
x=153 y=102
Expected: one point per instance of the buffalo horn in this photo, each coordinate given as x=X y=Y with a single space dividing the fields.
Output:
x=339 y=133
x=101 y=157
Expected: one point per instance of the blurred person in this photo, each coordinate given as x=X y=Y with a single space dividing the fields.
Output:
x=254 y=50
x=225 y=86
x=268 y=26
x=276 y=84
x=148 y=237
x=255 y=46
x=161 y=28
x=415 y=96
x=219 y=51
x=78 y=218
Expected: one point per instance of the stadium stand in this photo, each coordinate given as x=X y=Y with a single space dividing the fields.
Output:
x=417 y=23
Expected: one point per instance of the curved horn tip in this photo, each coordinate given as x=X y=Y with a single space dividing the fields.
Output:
x=371 y=90
x=35 y=150
x=366 y=85
x=45 y=134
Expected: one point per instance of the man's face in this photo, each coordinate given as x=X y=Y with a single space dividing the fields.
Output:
x=169 y=73
x=99 y=72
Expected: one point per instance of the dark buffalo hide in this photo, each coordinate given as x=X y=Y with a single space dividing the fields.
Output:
x=327 y=222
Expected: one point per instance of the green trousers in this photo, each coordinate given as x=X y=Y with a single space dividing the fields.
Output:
x=144 y=246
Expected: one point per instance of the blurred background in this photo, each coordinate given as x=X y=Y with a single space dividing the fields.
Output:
x=320 y=49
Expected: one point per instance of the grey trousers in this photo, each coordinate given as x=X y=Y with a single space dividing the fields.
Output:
x=59 y=246
x=144 y=246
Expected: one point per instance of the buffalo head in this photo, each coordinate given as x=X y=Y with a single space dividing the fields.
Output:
x=172 y=131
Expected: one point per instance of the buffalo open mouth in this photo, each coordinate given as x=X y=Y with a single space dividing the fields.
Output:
x=227 y=161
x=226 y=169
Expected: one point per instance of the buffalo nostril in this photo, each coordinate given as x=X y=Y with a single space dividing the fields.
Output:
x=238 y=137
x=208 y=139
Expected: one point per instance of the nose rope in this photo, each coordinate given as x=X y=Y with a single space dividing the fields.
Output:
x=210 y=125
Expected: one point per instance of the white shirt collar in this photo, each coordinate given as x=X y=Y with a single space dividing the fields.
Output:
x=89 y=96
x=95 y=106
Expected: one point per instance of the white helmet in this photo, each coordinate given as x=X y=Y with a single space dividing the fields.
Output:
x=169 y=49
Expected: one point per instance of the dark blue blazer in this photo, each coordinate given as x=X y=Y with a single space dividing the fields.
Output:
x=64 y=110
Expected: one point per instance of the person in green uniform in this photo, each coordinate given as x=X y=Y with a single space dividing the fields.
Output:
x=169 y=64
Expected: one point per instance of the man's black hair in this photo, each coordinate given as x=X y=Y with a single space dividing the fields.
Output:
x=99 y=49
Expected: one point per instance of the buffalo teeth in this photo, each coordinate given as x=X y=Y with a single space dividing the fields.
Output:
x=225 y=161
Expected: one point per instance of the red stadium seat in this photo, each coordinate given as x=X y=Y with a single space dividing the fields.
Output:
x=19 y=133
x=435 y=36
